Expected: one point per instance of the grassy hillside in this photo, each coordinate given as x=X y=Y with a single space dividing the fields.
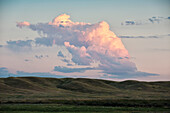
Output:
x=90 y=91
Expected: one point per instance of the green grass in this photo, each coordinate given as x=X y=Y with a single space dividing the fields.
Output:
x=49 y=108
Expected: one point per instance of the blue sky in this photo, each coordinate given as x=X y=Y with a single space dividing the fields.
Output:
x=149 y=54
x=112 y=11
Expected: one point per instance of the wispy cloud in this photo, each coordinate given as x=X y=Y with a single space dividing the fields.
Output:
x=151 y=20
x=20 y=43
x=27 y=60
x=38 y=74
x=139 y=36
x=156 y=36
x=4 y=73
x=41 y=56
x=71 y=70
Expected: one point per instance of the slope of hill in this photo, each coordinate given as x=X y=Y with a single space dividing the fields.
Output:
x=34 y=89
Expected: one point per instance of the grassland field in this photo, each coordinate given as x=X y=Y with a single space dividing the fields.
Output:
x=39 y=95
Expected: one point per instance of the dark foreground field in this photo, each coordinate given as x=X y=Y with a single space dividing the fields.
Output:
x=27 y=94
x=49 y=108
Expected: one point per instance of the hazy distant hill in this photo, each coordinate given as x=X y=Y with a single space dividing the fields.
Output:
x=34 y=89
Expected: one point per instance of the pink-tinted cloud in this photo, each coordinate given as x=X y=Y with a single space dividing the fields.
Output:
x=22 y=24
x=61 y=19
x=87 y=43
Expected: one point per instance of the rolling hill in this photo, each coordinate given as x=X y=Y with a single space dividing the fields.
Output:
x=49 y=90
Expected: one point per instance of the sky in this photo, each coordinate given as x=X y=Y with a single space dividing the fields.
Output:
x=102 y=39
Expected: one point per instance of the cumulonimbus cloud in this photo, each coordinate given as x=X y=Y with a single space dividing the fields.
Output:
x=87 y=43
